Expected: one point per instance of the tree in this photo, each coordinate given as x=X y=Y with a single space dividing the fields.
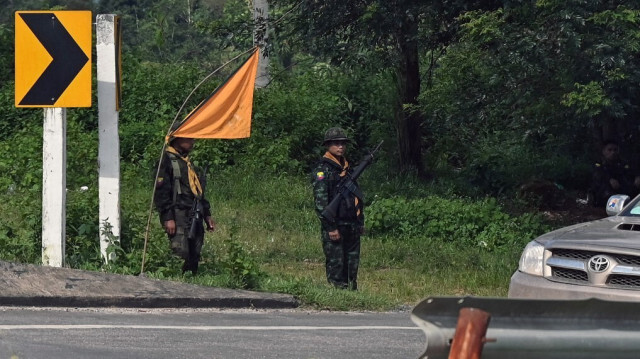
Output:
x=532 y=89
x=390 y=33
x=170 y=30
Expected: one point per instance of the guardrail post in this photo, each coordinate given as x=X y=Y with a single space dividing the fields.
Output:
x=469 y=337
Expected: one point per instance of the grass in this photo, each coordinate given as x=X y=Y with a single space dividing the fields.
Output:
x=268 y=239
x=273 y=221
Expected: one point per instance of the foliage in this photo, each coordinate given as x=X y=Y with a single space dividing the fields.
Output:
x=588 y=99
x=239 y=264
x=20 y=230
x=468 y=223
x=499 y=93
x=174 y=31
x=291 y=116
x=6 y=52
x=380 y=35
x=81 y=244
x=543 y=82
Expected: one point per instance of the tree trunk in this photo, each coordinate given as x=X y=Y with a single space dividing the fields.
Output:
x=260 y=39
x=408 y=118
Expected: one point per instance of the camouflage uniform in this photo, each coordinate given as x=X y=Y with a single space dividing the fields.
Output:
x=342 y=256
x=174 y=199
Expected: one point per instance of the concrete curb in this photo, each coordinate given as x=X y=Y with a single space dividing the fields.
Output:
x=31 y=285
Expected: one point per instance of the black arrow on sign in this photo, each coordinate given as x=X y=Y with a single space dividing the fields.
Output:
x=68 y=59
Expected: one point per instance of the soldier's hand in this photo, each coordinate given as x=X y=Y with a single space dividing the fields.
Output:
x=334 y=235
x=362 y=230
x=170 y=227
x=211 y=224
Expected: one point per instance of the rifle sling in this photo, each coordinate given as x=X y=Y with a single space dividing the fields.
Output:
x=177 y=188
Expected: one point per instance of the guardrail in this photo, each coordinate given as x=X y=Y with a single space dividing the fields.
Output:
x=488 y=328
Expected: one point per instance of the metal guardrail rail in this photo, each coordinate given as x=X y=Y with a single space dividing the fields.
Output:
x=526 y=328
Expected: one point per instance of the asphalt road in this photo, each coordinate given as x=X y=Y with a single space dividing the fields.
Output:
x=53 y=333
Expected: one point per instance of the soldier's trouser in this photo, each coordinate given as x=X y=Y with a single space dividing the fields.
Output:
x=181 y=246
x=343 y=257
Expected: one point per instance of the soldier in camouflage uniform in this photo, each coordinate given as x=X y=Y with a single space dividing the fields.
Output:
x=177 y=187
x=341 y=236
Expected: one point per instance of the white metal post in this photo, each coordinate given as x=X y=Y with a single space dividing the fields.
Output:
x=109 y=143
x=54 y=183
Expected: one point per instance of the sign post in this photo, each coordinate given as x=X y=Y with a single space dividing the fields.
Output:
x=108 y=58
x=54 y=183
x=53 y=71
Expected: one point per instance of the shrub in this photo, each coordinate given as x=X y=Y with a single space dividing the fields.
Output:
x=472 y=223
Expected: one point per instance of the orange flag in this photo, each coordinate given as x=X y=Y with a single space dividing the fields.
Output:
x=227 y=112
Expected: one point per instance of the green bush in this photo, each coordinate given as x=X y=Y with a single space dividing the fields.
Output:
x=467 y=222
x=291 y=116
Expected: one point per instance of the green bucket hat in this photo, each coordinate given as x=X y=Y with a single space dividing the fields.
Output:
x=334 y=134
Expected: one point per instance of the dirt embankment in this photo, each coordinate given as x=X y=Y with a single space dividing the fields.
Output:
x=559 y=206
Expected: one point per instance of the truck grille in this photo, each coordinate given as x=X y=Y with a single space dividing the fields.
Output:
x=570 y=275
x=586 y=255
x=573 y=254
x=624 y=281
x=581 y=276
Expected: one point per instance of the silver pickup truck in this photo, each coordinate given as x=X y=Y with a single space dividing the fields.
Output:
x=598 y=259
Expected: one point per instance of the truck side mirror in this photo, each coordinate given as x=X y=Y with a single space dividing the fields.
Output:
x=616 y=203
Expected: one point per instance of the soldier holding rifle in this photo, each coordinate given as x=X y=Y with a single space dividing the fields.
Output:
x=339 y=205
x=179 y=197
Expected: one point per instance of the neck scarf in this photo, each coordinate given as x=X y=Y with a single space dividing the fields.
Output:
x=344 y=166
x=194 y=181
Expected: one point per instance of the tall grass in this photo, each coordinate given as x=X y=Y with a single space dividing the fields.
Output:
x=276 y=225
x=268 y=239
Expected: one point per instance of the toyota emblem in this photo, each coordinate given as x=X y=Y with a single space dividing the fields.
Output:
x=599 y=263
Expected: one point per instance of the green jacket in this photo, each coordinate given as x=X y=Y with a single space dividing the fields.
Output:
x=173 y=192
x=325 y=179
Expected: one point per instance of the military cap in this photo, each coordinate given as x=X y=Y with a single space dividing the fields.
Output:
x=335 y=134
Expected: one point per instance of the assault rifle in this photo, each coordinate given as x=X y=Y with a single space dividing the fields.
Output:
x=196 y=215
x=347 y=185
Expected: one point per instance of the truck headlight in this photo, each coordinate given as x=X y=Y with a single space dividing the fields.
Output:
x=532 y=258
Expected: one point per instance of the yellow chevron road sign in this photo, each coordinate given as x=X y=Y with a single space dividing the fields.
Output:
x=53 y=58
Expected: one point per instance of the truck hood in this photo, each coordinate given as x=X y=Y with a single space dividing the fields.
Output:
x=616 y=231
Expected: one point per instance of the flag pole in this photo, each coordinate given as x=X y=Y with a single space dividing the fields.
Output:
x=146 y=233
